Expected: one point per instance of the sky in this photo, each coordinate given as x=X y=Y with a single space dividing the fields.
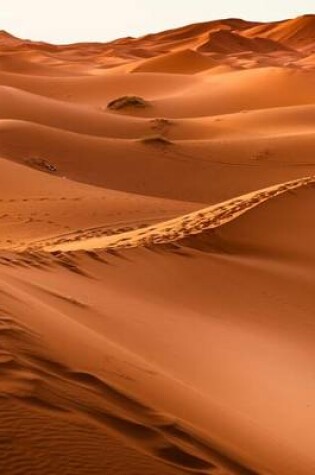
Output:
x=68 y=21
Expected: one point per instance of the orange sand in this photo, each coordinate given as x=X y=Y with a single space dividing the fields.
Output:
x=157 y=259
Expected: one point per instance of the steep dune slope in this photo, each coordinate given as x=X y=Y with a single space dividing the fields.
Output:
x=184 y=226
x=233 y=346
x=224 y=41
x=296 y=33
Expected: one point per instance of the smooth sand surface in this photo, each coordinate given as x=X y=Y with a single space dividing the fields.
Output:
x=157 y=256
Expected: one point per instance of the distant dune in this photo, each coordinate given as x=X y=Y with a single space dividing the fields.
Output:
x=157 y=252
x=297 y=33
x=180 y=62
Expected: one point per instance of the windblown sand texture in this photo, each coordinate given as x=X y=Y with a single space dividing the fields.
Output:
x=157 y=254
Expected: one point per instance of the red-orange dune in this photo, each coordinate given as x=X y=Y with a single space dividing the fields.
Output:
x=157 y=253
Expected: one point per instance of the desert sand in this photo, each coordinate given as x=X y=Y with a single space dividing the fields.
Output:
x=157 y=207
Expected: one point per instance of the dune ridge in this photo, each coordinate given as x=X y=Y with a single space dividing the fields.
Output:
x=182 y=227
x=37 y=379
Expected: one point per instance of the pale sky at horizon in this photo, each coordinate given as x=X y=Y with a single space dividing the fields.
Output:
x=68 y=21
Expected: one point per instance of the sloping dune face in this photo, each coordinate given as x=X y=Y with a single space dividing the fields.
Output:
x=181 y=62
x=157 y=206
x=297 y=33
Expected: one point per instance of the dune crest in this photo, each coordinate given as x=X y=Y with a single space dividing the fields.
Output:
x=297 y=33
x=180 y=62
x=227 y=42
x=183 y=227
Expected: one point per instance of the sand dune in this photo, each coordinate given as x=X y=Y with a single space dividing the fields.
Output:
x=157 y=258
x=180 y=62
x=297 y=33
x=44 y=205
x=224 y=41
x=7 y=40
x=153 y=429
x=185 y=226
x=242 y=90
x=200 y=163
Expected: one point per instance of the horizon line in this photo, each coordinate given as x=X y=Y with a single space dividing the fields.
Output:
x=87 y=41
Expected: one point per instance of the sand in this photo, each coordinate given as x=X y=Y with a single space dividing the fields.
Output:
x=157 y=259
